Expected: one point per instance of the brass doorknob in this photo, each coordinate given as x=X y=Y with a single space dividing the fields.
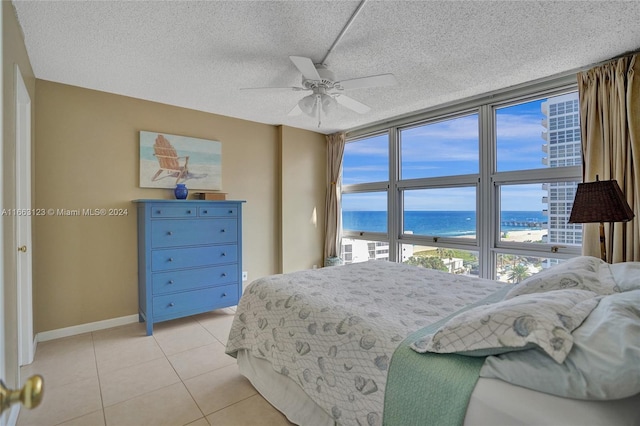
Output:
x=22 y=249
x=30 y=395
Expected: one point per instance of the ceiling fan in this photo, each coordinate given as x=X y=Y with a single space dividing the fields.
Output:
x=326 y=91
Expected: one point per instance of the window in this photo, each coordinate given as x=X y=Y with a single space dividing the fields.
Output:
x=512 y=268
x=536 y=210
x=365 y=203
x=440 y=212
x=365 y=211
x=366 y=160
x=441 y=148
x=357 y=250
x=448 y=260
x=469 y=188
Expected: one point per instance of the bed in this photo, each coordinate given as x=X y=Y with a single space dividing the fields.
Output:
x=385 y=343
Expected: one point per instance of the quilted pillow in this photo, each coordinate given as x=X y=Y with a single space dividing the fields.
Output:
x=604 y=363
x=579 y=273
x=545 y=320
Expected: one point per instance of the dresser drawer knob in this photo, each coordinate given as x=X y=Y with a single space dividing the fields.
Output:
x=223 y=254
x=224 y=295
x=171 y=304
x=170 y=259
x=224 y=274
x=205 y=211
x=170 y=281
x=158 y=211
x=169 y=233
x=230 y=211
x=188 y=211
x=222 y=230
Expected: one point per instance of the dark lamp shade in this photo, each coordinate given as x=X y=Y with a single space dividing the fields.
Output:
x=600 y=201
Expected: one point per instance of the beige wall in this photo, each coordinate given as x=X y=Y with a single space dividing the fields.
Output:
x=87 y=157
x=303 y=174
x=13 y=53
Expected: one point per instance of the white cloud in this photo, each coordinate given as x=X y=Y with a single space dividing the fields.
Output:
x=519 y=126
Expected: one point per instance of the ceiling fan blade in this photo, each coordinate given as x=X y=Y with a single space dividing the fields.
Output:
x=352 y=104
x=306 y=67
x=295 y=110
x=370 y=81
x=295 y=89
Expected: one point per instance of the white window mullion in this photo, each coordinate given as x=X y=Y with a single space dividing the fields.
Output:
x=486 y=204
x=394 y=199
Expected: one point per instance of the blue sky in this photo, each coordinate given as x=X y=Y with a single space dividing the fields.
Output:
x=451 y=148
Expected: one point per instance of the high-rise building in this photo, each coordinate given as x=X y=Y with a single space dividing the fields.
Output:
x=562 y=148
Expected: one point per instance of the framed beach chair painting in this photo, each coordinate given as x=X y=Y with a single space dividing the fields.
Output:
x=166 y=160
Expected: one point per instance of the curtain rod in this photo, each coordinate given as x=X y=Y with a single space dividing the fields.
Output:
x=614 y=58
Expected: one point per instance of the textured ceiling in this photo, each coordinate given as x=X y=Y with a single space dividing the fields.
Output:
x=198 y=54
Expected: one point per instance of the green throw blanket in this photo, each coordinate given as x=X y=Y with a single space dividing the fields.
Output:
x=431 y=389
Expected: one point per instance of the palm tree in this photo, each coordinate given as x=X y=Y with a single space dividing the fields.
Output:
x=447 y=254
x=518 y=273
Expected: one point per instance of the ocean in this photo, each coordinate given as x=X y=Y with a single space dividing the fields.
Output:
x=440 y=223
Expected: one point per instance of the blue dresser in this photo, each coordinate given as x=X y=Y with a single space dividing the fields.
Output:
x=189 y=257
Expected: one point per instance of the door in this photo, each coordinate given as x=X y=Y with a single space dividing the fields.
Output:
x=23 y=220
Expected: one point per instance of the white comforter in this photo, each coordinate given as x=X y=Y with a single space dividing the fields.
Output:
x=334 y=330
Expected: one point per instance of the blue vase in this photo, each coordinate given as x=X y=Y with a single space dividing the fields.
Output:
x=181 y=191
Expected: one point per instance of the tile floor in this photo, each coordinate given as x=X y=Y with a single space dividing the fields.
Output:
x=121 y=376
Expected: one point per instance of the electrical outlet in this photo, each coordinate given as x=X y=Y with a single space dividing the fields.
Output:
x=245 y=275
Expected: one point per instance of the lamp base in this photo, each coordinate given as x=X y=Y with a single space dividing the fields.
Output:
x=603 y=249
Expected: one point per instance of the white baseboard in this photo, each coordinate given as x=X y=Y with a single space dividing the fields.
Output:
x=85 y=328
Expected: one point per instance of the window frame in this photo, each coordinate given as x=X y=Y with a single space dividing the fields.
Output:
x=370 y=187
x=487 y=243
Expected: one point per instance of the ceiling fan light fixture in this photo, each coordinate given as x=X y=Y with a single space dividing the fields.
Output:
x=328 y=103
x=308 y=105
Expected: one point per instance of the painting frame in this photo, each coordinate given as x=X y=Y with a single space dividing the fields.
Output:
x=167 y=159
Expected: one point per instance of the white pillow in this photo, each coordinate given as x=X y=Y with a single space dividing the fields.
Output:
x=544 y=320
x=626 y=275
x=579 y=273
x=604 y=363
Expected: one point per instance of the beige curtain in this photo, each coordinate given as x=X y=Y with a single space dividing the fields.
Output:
x=333 y=221
x=610 y=126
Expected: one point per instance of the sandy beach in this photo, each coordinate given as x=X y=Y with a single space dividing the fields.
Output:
x=535 y=235
x=524 y=236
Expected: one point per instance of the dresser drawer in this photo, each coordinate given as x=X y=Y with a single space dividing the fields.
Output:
x=167 y=259
x=218 y=211
x=175 y=304
x=166 y=282
x=173 y=232
x=173 y=211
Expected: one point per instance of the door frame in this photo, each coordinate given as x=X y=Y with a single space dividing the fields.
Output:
x=3 y=357
x=23 y=221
